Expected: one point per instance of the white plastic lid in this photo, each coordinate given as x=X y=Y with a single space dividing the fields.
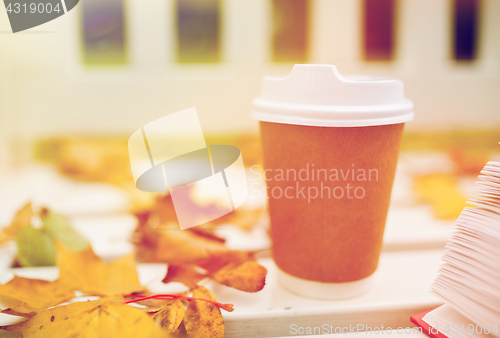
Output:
x=317 y=95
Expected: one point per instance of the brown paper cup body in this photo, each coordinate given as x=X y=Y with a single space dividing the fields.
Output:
x=336 y=236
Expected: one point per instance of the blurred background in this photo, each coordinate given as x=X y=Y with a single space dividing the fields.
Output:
x=74 y=89
x=110 y=66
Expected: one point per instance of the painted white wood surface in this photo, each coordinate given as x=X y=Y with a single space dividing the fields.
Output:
x=400 y=289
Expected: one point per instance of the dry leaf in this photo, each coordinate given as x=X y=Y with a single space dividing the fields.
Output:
x=236 y=269
x=170 y=317
x=9 y=334
x=173 y=245
x=35 y=245
x=21 y=310
x=220 y=259
x=36 y=293
x=21 y=218
x=86 y=272
x=203 y=316
x=183 y=273
x=89 y=320
x=442 y=193
x=153 y=305
x=176 y=296
x=249 y=276
x=165 y=210
x=90 y=158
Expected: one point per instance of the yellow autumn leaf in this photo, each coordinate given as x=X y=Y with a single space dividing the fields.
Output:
x=86 y=272
x=441 y=192
x=249 y=276
x=202 y=316
x=21 y=218
x=152 y=305
x=89 y=320
x=9 y=334
x=36 y=293
x=170 y=317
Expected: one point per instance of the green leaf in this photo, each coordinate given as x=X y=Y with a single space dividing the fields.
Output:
x=59 y=228
x=35 y=248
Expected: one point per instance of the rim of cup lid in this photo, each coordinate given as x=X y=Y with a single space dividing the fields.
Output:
x=317 y=95
x=325 y=291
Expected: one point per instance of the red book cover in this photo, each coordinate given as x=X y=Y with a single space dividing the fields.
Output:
x=426 y=328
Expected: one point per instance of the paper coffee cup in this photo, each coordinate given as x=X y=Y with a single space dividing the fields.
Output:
x=330 y=147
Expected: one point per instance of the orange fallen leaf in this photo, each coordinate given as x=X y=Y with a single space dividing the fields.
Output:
x=86 y=272
x=89 y=320
x=220 y=259
x=236 y=269
x=183 y=273
x=172 y=245
x=202 y=316
x=249 y=276
x=36 y=293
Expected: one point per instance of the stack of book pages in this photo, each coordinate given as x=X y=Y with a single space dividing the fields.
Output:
x=469 y=279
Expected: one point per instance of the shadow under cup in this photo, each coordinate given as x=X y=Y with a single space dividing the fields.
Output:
x=329 y=190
